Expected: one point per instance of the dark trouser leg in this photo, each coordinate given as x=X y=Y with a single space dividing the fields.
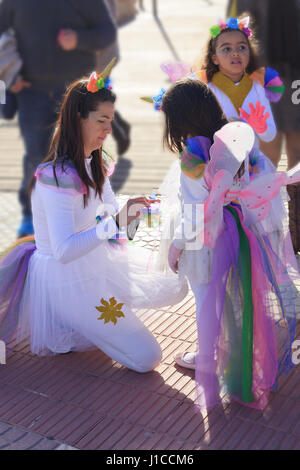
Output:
x=37 y=116
x=293 y=156
x=120 y=132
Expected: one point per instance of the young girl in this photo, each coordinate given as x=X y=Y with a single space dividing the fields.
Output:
x=230 y=69
x=221 y=245
x=73 y=287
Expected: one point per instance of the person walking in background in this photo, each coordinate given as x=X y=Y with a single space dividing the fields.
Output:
x=120 y=127
x=278 y=30
x=57 y=42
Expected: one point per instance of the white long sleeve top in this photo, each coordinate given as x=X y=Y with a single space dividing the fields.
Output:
x=67 y=230
x=257 y=93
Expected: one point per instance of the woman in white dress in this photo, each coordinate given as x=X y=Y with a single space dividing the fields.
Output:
x=74 y=286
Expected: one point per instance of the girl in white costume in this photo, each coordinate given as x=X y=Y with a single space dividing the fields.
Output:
x=74 y=286
x=222 y=246
x=244 y=92
x=230 y=71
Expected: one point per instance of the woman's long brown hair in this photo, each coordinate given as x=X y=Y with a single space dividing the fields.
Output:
x=67 y=142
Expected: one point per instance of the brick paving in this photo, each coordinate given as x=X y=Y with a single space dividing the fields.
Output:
x=85 y=400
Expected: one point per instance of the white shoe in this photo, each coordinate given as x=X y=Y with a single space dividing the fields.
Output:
x=185 y=359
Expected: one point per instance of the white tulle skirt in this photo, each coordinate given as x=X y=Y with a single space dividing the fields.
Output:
x=196 y=264
x=59 y=304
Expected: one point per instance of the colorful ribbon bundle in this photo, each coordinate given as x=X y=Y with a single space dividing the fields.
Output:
x=194 y=156
x=273 y=85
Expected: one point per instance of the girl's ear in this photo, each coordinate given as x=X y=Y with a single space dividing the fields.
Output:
x=215 y=59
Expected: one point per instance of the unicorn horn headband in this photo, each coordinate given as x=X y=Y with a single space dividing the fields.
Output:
x=232 y=23
x=157 y=100
x=98 y=81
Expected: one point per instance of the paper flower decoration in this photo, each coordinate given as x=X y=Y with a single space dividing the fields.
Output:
x=98 y=81
x=232 y=23
x=157 y=100
x=110 y=310
x=215 y=30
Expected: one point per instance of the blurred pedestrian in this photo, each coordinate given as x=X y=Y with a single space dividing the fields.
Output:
x=277 y=26
x=278 y=30
x=57 y=42
x=120 y=127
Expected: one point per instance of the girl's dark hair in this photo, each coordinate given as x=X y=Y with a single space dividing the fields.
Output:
x=211 y=68
x=190 y=109
x=67 y=143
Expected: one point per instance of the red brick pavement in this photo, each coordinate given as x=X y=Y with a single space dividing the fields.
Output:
x=88 y=401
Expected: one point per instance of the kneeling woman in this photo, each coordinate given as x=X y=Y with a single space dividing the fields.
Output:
x=74 y=286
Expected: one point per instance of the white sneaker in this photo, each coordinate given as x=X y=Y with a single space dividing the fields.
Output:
x=185 y=359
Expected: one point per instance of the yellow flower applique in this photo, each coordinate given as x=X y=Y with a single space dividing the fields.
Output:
x=110 y=310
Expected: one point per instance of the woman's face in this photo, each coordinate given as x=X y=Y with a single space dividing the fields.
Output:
x=232 y=54
x=97 y=126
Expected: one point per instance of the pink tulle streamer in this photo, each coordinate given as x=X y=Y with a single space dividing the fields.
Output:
x=176 y=70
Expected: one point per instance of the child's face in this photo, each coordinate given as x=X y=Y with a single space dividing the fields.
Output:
x=232 y=54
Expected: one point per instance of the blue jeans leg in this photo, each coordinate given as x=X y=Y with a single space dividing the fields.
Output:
x=37 y=117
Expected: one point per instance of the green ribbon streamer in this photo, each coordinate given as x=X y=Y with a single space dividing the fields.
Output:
x=239 y=373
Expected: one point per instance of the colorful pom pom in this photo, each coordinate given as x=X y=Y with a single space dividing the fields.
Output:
x=233 y=23
x=215 y=31
x=248 y=32
x=157 y=100
x=92 y=83
x=96 y=83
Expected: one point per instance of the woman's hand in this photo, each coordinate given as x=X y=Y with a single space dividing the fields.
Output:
x=173 y=257
x=132 y=209
x=256 y=119
x=67 y=39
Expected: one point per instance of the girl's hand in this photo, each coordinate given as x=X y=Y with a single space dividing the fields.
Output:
x=132 y=209
x=67 y=39
x=256 y=119
x=173 y=258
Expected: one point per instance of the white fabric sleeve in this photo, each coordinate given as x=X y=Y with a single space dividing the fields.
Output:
x=193 y=194
x=67 y=245
x=271 y=131
x=108 y=196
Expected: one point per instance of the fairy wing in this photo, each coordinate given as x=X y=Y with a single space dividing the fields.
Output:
x=176 y=70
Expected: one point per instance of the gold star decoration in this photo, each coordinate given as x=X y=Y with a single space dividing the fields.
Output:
x=110 y=310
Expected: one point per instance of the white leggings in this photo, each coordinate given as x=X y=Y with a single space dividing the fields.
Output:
x=134 y=347
x=207 y=326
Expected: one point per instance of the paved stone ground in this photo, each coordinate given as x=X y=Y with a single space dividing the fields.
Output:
x=87 y=401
